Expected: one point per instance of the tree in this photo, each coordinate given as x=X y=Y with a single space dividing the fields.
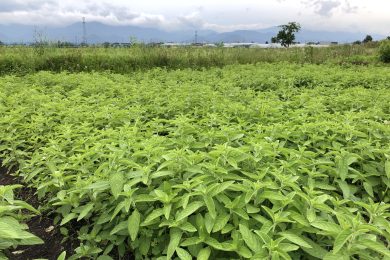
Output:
x=286 y=35
x=1 y=43
x=388 y=37
x=219 y=44
x=134 y=41
x=367 y=39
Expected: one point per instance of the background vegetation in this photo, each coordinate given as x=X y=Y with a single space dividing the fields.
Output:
x=122 y=60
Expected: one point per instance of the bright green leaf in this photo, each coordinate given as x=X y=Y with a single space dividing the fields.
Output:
x=133 y=224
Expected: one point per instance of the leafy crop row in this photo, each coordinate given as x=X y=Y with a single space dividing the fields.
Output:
x=263 y=162
x=12 y=232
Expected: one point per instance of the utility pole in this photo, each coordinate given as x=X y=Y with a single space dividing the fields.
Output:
x=84 y=32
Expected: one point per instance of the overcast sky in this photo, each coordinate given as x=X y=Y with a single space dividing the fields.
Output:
x=372 y=16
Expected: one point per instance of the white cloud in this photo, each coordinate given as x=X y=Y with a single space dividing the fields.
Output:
x=221 y=15
x=329 y=7
x=325 y=7
x=192 y=20
x=20 y=5
x=349 y=8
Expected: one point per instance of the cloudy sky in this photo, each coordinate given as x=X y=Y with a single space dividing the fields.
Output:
x=221 y=15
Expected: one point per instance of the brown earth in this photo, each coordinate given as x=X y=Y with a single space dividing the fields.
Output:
x=42 y=226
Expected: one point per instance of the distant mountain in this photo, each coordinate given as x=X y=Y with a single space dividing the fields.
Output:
x=342 y=37
x=99 y=33
x=303 y=36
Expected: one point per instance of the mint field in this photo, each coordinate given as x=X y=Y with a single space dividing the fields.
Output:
x=265 y=161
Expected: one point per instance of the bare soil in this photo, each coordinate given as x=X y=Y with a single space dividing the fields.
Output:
x=42 y=226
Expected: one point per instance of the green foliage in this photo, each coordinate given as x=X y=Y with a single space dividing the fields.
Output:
x=273 y=161
x=12 y=232
x=286 y=35
x=23 y=60
x=219 y=44
x=367 y=39
x=384 y=51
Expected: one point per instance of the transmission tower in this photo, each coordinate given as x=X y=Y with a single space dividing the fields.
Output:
x=196 y=37
x=84 y=32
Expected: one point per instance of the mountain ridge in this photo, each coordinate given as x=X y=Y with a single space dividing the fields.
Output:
x=99 y=33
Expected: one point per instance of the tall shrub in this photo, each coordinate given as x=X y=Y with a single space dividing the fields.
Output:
x=384 y=51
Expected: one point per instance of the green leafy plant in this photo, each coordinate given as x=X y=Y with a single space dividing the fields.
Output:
x=273 y=161
x=12 y=232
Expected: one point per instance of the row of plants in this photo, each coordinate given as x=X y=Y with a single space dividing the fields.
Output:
x=267 y=161
x=22 y=60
